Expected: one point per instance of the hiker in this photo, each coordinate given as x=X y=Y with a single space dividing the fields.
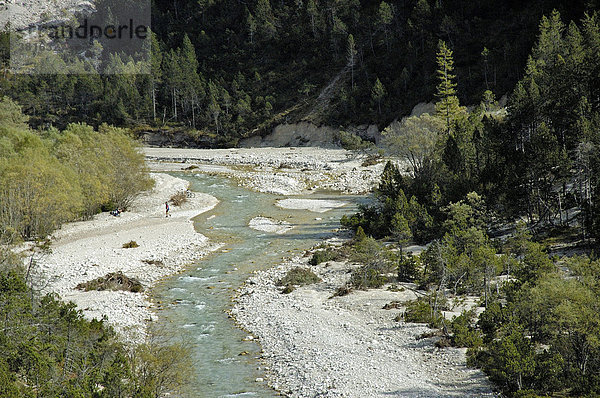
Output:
x=166 y=209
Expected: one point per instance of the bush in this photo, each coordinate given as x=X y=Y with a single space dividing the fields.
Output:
x=130 y=245
x=112 y=281
x=371 y=160
x=299 y=277
x=179 y=198
x=421 y=310
x=464 y=333
x=367 y=277
x=322 y=256
x=408 y=268
x=342 y=291
x=288 y=289
x=352 y=142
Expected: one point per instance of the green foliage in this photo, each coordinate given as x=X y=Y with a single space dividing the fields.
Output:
x=352 y=142
x=409 y=268
x=464 y=258
x=322 y=256
x=49 y=349
x=426 y=309
x=414 y=140
x=447 y=106
x=52 y=177
x=464 y=333
x=299 y=276
x=367 y=277
x=393 y=215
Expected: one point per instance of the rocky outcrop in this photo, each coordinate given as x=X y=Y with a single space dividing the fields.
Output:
x=23 y=14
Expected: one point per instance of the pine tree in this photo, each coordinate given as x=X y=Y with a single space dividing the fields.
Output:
x=448 y=105
x=351 y=55
x=313 y=14
x=155 y=70
x=251 y=24
x=384 y=18
x=377 y=94
x=191 y=80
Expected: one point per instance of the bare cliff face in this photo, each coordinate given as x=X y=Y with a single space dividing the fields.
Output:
x=21 y=14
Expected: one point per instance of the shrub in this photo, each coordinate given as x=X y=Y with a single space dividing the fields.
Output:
x=371 y=160
x=352 y=142
x=130 y=245
x=463 y=333
x=179 y=198
x=408 y=269
x=299 y=276
x=153 y=262
x=366 y=277
x=421 y=310
x=288 y=289
x=112 y=281
x=322 y=256
x=342 y=291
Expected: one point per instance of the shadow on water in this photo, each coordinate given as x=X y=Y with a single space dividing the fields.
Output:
x=198 y=298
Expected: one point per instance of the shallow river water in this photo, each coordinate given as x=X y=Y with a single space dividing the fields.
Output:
x=197 y=299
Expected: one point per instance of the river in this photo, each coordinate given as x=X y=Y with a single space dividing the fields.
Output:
x=197 y=299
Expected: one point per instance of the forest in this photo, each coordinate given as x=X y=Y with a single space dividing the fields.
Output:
x=496 y=193
x=232 y=69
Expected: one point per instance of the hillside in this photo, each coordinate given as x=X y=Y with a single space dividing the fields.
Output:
x=236 y=69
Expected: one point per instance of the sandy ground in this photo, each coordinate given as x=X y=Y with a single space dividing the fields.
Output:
x=282 y=171
x=318 y=346
x=86 y=250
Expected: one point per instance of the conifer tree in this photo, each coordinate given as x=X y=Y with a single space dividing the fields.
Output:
x=377 y=94
x=351 y=55
x=448 y=105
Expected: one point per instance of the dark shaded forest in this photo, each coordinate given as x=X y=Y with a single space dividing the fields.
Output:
x=233 y=69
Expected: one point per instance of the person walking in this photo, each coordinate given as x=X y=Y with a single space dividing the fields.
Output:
x=167 y=209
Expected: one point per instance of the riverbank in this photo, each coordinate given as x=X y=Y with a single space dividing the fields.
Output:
x=282 y=171
x=86 y=250
x=318 y=345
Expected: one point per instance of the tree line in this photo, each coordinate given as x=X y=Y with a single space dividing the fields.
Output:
x=48 y=177
x=234 y=69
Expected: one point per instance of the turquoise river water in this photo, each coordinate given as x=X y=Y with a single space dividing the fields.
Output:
x=196 y=300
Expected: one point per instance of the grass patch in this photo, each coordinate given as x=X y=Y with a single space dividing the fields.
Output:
x=299 y=277
x=112 y=281
x=130 y=245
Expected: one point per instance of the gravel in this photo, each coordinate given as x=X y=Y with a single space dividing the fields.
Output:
x=317 y=346
x=283 y=171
